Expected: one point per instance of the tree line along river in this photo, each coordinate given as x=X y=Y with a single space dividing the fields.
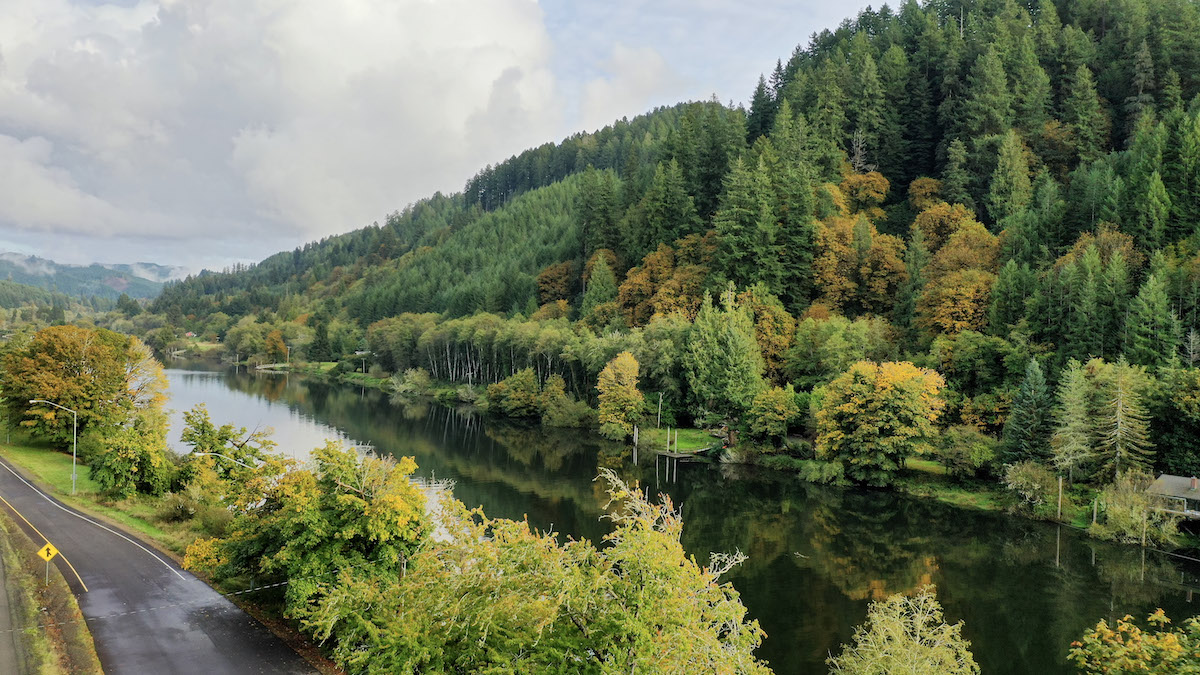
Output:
x=817 y=554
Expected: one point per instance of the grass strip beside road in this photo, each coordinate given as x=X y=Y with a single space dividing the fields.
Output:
x=52 y=469
x=55 y=638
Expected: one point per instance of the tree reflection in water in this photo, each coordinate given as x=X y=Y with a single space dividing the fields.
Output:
x=817 y=554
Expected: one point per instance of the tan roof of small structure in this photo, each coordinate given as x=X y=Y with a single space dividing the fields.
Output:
x=1173 y=486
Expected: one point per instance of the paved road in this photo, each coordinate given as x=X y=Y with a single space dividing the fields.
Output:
x=146 y=614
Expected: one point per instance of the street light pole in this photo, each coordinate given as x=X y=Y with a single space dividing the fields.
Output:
x=74 y=436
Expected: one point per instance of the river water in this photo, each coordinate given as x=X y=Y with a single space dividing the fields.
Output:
x=817 y=555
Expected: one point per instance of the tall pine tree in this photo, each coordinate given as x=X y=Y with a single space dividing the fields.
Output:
x=1028 y=428
x=1154 y=330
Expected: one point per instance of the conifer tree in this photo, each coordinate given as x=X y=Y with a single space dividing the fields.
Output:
x=1124 y=439
x=1154 y=330
x=1181 y=174
x=1014 y=285
x=866 y=103
x=796 y=234
x=1028 y=427
x=1085 y=116
x=956 y=180
x=1084 y=322
x=988 y=107
x=1141 y=97
x=1047 y=31
x=596 y=210
x=668 y=211
x=1172 y=91
x=762 y=112
x=1095 y=196
x=1010 y=190
x=828 y=119
x=1073 y=443
x=1151 y=213
x=1115 y=290
x=1031 y=88
x=916 y=258
x=952 y=83
x=1050 y=210
x=722 y=362
x=789 y=137
x=895 y=78
x=601 y=287
x=746 y=228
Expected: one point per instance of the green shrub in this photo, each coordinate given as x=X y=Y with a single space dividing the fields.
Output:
x=517 y=395
x=823 y=472
x=1127 y=509
x=966 y=452
x=1034 y=485
x=412 y=382
x=801 y=448
x=566 y=412
x=176 y=508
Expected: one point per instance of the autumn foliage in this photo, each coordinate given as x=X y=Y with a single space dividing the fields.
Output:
x=876 y=415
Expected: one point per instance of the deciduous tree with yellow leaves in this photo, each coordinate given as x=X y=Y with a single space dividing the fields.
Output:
x=875 y=415
x=620 y=402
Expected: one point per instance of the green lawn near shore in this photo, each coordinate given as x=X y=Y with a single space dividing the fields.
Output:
x=690 y=440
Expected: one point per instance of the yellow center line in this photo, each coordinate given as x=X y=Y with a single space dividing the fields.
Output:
x=60 y=553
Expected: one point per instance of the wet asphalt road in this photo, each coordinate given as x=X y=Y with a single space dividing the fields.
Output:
x=145 y=613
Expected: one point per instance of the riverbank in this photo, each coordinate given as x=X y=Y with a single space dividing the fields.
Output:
x=922 y=477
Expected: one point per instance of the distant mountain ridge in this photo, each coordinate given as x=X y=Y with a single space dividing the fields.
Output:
x=138 y=280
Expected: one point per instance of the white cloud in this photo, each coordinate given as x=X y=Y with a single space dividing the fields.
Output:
x=257 y=123
x=632 y=77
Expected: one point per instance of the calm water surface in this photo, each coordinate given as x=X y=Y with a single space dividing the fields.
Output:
x=817 y=555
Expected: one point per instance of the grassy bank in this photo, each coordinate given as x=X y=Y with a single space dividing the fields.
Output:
x=52 y=636
x=682 y=440
x=52 y=469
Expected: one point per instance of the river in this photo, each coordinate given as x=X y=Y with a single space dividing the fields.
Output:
x=817 y=555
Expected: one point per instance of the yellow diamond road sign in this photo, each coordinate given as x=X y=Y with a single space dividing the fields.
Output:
x=48 y=552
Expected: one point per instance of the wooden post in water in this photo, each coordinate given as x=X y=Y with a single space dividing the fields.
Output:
x=1060 y=497
x=658 y=425
x=1095 y=508
x=1144 y=519
x=677 y=439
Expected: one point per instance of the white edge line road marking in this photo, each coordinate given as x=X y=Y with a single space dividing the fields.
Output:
x=85 y=518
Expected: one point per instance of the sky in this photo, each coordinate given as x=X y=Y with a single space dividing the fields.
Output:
x=200 y=133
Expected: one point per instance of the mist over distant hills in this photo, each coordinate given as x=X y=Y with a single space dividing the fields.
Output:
x=138 y=280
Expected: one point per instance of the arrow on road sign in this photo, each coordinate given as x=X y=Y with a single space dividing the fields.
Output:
x=48 y=552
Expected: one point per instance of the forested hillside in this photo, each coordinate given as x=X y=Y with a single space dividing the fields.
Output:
x=1006 y=193
x=109 y=282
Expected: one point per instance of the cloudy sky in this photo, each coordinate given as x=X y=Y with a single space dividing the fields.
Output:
x=204 y=132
